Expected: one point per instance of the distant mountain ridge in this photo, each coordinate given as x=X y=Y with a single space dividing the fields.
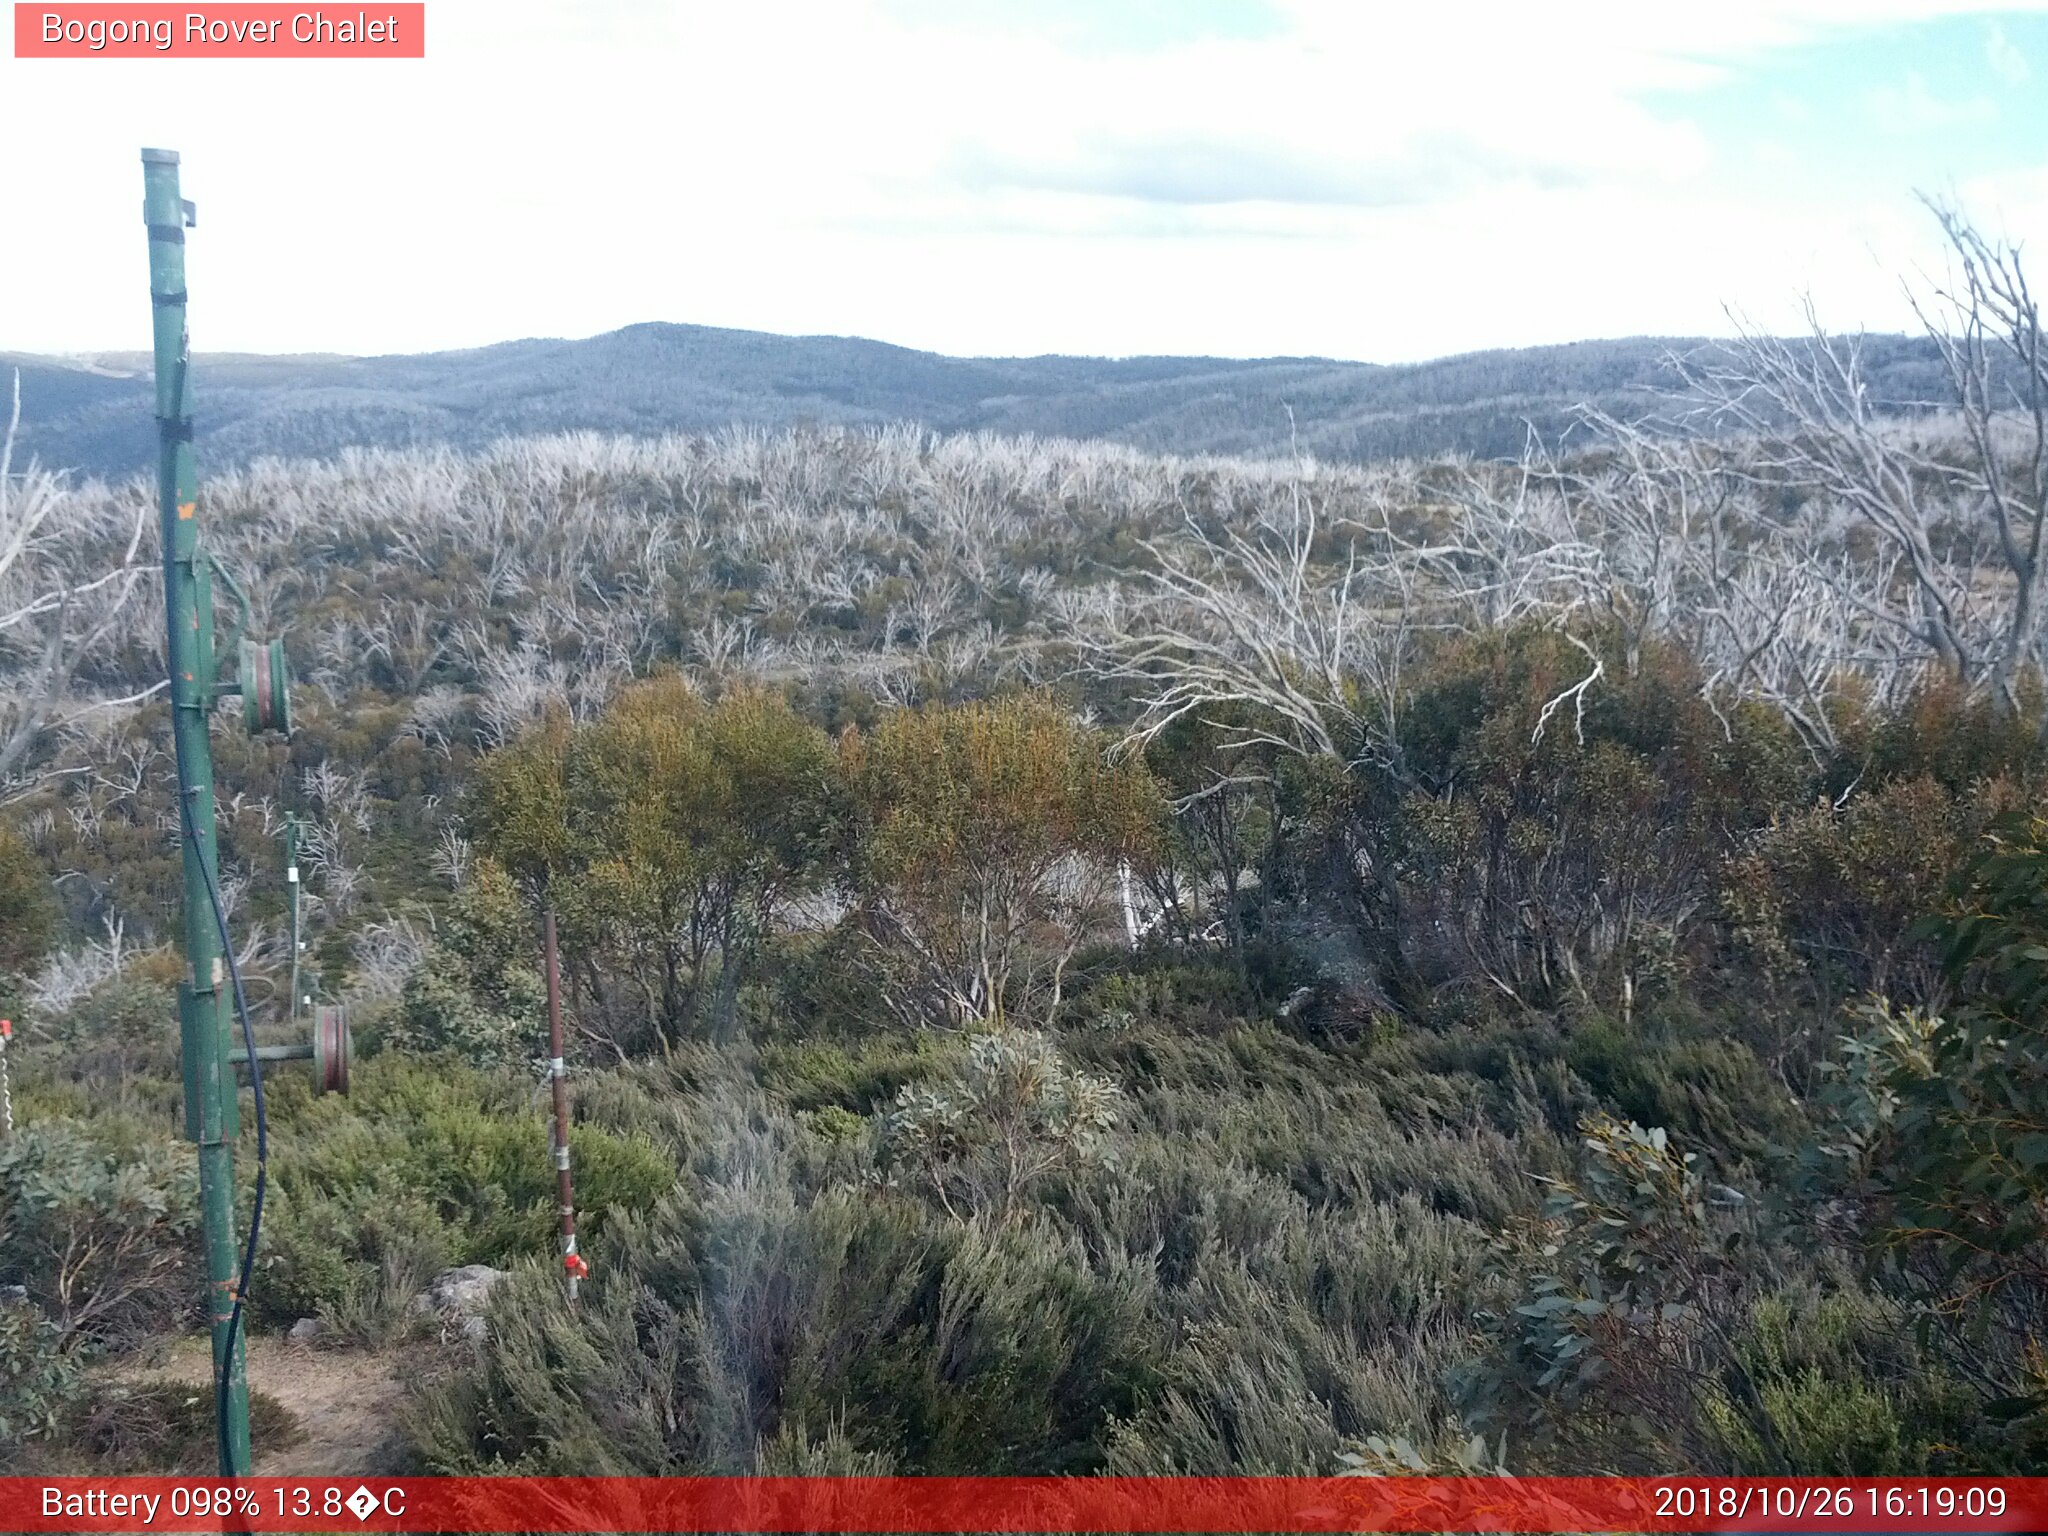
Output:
x=92 y=415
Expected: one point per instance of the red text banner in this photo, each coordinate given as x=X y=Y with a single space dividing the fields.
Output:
x=1110 y=1504
x=226 y=31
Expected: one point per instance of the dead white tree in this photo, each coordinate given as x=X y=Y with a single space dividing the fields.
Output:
x=1297 y=620
x=1951 y=495
x=60 y=598
x=1772 y=609
x=1255 y=620
x=1987 y=323
x=1487 y=546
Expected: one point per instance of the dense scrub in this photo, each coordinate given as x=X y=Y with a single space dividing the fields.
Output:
x=1510 y=1105
x=1064 y=975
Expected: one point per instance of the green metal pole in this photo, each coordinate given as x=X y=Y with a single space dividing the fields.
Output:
x=204 y=1004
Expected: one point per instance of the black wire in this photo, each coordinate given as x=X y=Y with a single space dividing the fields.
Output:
x=220 y=919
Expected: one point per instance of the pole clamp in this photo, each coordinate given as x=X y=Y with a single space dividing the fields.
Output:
x=188 y=214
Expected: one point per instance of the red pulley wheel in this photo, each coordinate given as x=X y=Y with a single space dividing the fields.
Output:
x=266 y=688
x=330 y=1049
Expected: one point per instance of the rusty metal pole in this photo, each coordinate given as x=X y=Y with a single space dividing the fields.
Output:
x=572 y=1261
x=6 y=1092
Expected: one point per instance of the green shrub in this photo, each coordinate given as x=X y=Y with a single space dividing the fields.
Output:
x=1824 y=1427
x=28 y=912
x=857 y=1076
x=1201 y=994
x=167 y=1428
x=1945 y=733
x=792 y=1452
x=1832 y=895
x=358 y=1269
x=424 y=1166
x=989 y=834
x=720 y=1327
x=478 y=995
x=1543 y=856
x=118 y=1044
x=835 y=1124
x=1831 y=1403
x=39 y=1379
x=1713 y=1092
x=1259 y=1386
x=1940 y=1129
x=1012 y=1115
x=1615 y=1349
x=98 y=1227
x=671 y=831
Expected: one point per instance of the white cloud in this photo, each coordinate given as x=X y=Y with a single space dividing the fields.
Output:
x=2007 y=62
x=1915 y=108
x=1370 y=181
x=2013 y=203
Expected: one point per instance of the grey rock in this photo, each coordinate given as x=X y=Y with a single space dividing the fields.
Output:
x=465 y=1291
x=1295 y=999
x=474 y=1329
x=306 y=1330
x=13 y=1295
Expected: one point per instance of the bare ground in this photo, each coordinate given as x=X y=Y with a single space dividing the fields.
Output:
x=344 y=1402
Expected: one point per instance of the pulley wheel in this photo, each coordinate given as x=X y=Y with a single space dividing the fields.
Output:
x=266 y=688
x=330 y=1049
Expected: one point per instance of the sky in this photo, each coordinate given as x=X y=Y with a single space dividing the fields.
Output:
x=1367 y=179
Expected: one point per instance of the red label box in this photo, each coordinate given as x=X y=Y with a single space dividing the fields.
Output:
x=226 y=31
x=1278 y=1506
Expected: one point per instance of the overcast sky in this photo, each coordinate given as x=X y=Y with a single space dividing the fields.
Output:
x=1345 y=178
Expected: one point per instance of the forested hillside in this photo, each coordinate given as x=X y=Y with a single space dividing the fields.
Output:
x=650 y=379
x=1083 y=960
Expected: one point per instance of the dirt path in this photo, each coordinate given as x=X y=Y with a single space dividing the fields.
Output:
x=345 y=1402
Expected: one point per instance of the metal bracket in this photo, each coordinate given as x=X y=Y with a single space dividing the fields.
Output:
x=243 y=616
x=173 y=232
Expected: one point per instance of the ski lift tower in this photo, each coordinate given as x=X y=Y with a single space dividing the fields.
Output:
x=210 y=1001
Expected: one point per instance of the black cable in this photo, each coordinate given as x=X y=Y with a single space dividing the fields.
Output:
x=220 y=919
